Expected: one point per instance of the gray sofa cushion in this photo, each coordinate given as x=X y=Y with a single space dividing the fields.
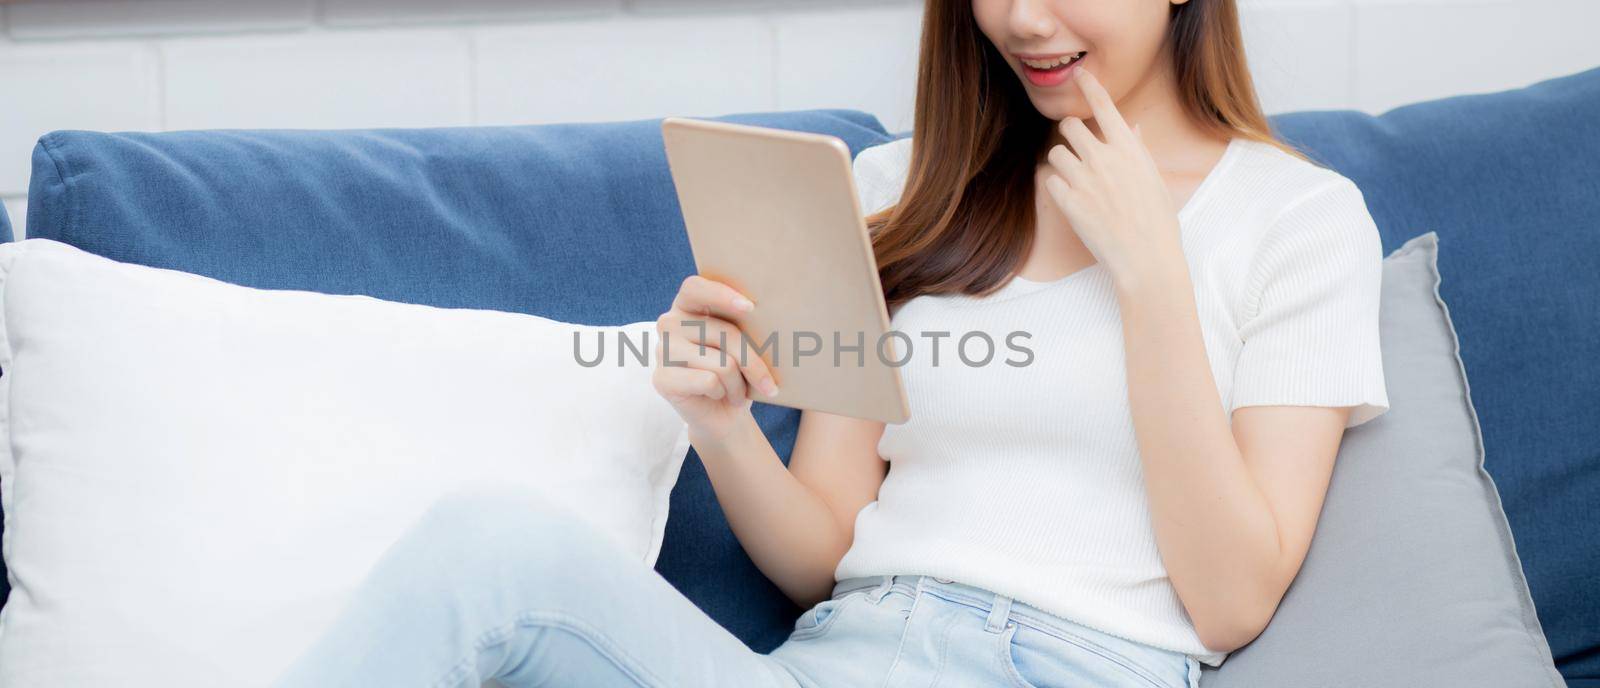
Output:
x=1412 y=579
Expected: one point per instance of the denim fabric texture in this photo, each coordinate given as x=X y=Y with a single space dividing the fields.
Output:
x=5 y=226
x=514 y=589
x=579 y=222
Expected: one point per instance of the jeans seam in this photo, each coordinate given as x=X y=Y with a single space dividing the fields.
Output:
x=900 y=648
x=961 y=598
x=1007 y=664
x=944 y=652
x=601 y=643
x=869 y=589
x=1025 y=619
x=1090 y=646
x=840 y=604
x=910 y=591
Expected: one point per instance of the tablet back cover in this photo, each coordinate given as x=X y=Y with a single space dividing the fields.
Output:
x=774 y=214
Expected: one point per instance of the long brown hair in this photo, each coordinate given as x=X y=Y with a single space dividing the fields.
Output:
x=965 y=220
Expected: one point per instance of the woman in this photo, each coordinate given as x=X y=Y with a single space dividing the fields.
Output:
x=1202 y=310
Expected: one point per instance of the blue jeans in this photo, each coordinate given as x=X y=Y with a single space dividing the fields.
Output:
x=511 y=589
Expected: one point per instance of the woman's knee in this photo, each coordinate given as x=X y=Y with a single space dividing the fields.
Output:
x=493 y=551
x=494 y=518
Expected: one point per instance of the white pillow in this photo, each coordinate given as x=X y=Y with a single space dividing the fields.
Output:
x=195 y=474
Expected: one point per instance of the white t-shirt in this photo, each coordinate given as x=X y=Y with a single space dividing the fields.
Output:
x=1027 y=481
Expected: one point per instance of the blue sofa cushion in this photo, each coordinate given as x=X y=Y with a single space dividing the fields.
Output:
x=1511 y=183
x=578 y=222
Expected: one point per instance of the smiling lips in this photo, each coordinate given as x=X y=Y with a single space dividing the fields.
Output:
x=1049 y=61
x=1050 y=70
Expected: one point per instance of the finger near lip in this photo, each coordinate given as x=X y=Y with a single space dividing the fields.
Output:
x=1093 y=91
x=1100 y=101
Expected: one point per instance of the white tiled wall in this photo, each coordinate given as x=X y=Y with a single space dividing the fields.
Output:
x=399 y=78
x=183 y=64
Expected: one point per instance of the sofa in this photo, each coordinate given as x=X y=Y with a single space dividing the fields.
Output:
x=579 y=222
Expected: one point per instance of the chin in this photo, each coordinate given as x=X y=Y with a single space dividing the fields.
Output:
x=1062 y=107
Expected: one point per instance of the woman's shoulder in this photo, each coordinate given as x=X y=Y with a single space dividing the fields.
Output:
x=892 y=151
x=1316 y=218
x=880 y=172
x=1275 y=177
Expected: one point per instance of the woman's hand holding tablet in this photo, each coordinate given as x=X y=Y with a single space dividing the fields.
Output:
x=698 y=366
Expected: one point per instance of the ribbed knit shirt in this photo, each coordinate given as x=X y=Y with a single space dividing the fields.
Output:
x=1027 y=481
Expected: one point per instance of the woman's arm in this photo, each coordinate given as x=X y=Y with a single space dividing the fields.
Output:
x=797 y=523
x=1233 y=509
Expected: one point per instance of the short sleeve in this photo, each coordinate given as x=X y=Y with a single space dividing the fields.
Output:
x=1310 y=327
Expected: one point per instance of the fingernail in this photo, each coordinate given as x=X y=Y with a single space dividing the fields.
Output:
x=769 y=388
x=743 y=304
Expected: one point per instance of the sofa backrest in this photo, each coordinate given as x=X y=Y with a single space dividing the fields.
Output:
x=577 y=222
x=1511 y=183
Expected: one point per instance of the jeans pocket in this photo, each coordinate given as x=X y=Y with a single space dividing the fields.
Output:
x=1034 y=658
x=817 y=620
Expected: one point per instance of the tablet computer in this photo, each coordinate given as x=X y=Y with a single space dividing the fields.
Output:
x=775 y=214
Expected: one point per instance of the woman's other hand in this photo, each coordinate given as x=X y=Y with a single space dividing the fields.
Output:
x=1110 y=190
